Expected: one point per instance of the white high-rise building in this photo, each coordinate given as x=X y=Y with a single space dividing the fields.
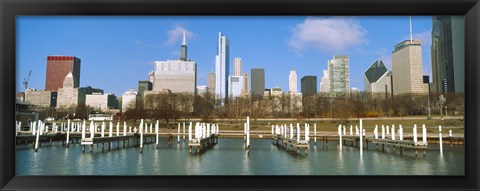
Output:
x=129 y=99
x=237 y=66
x=407 y=67
x=339 y=74
x=235 y=85
x=222 y=69
x=325 y=82
x=292 y=81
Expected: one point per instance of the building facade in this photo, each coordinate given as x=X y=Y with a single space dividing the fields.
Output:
x=309 y=85
x=235 y=86
x=69 y=95
x=237 y=66
x=339 y=74
x=143 y=86
x=57 y=69
x=448 y=57
x=202 y=91
x=257 y=82
x=211 y=83
x=292 y=81
x=101 y=101
x=325 y=82
x=129 y=99
x=407 y=68
x=377 y=78
x=222 y=69
x=41 y=98
x=245 y=83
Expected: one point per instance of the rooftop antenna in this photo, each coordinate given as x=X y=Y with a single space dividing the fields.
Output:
x=184 y=39
x=411 y=39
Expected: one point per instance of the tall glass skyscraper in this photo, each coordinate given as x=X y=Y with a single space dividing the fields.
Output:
x=448 y=57
x=292 y=81
x=339 y=73
x=222 y=69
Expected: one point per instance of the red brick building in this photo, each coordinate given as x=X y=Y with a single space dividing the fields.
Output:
x=57 y=69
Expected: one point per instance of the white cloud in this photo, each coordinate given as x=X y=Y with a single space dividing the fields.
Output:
x=175 y=35
x=327 y=34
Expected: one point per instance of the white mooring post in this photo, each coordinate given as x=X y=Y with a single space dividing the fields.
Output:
x=375 y=132
x=130 y=129
x=291 y=131
x=424 y=134
x=151 y=126
x=388 y=130
x=118 y=128
x=383 y=132
x=83 y=132
x=141 y=135
x=190 y=132
x=110 y=129
x=248 y=134
x=156 y=133
x=273 y=126
x=340 y=135
x=103 y=129
x=361 y=138
x=356 y=130
x=344 y=130
x=400 y=132
x=41 y=124
x=68 y=135
x=298 y=132
x=178 y=134
x=415 y=133
x=351 y=130
x=364 y=132
x=450 y=133
x=124 y=128
x=36 y=140
x=393 y=132
x=33 y=127
x=92 y=131
x=440 y=138
x=315 y=133
x=307 y=133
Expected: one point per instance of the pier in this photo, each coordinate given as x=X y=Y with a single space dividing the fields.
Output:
x=285 y=138
x=206 y=136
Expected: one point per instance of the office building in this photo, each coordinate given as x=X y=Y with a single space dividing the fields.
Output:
x=257 y=82
x=407 y=68
x=178 y=76
x=309 y=85
x=448 y=56
x=377 y=79
x=202 y=91
x=143 y=86
x=222 y=69
x=41 y=98
x=339 y=74
x=235 y=86
x=129 y=99
x=325 y=82
x=211 y=83
x=292 y=81
x=237 y=66
x=57 y=69
x=68 y=94
x=101 y=101
x=245 y=83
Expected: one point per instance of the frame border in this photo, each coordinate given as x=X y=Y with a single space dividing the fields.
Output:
x=9 y=9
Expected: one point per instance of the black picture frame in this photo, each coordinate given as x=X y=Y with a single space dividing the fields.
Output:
x=11 y=8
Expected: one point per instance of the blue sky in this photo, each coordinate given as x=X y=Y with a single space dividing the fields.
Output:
x=118 y=51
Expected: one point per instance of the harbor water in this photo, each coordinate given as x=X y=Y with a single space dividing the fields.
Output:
x=229 y=157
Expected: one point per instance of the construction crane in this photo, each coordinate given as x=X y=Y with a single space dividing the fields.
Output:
x=25 y=80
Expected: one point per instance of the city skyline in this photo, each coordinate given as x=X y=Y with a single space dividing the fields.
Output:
x=291 y=46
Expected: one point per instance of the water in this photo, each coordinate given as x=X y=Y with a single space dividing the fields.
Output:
x=228 y=157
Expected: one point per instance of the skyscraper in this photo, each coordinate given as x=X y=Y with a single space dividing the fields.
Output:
x=178 y=76
x=258 y=82
x=237 y=66
x=309 y=85
x=376 y=77
x=292 y=81
x=325 y=82
x=448 y=54
x=211 y=83
x=245 y=83
x=57 y=69
x=183 y=49
x=68 y=94
x=235 y=85
x=222 y=69
x=339 y=73
x=407 y=67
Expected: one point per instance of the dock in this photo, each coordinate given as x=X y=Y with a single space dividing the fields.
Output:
x=293 y=144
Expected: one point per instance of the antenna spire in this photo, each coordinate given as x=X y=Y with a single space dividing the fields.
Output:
x=184 y=39
x=411 y=38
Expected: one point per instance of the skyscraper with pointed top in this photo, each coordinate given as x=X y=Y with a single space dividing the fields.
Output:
x=222 y=69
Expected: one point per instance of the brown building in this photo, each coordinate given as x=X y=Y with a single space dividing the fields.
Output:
x=57 y=69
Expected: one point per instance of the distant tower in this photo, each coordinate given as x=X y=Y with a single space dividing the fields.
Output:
x=257 y=82
x=237 y=66
x=57 y=69
x=211 y=83
x=183 y=55
x=339 y=74
x=245 y=82
x=325 y=82
x=222 y=69
x=407 y=68
x=292 y=81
